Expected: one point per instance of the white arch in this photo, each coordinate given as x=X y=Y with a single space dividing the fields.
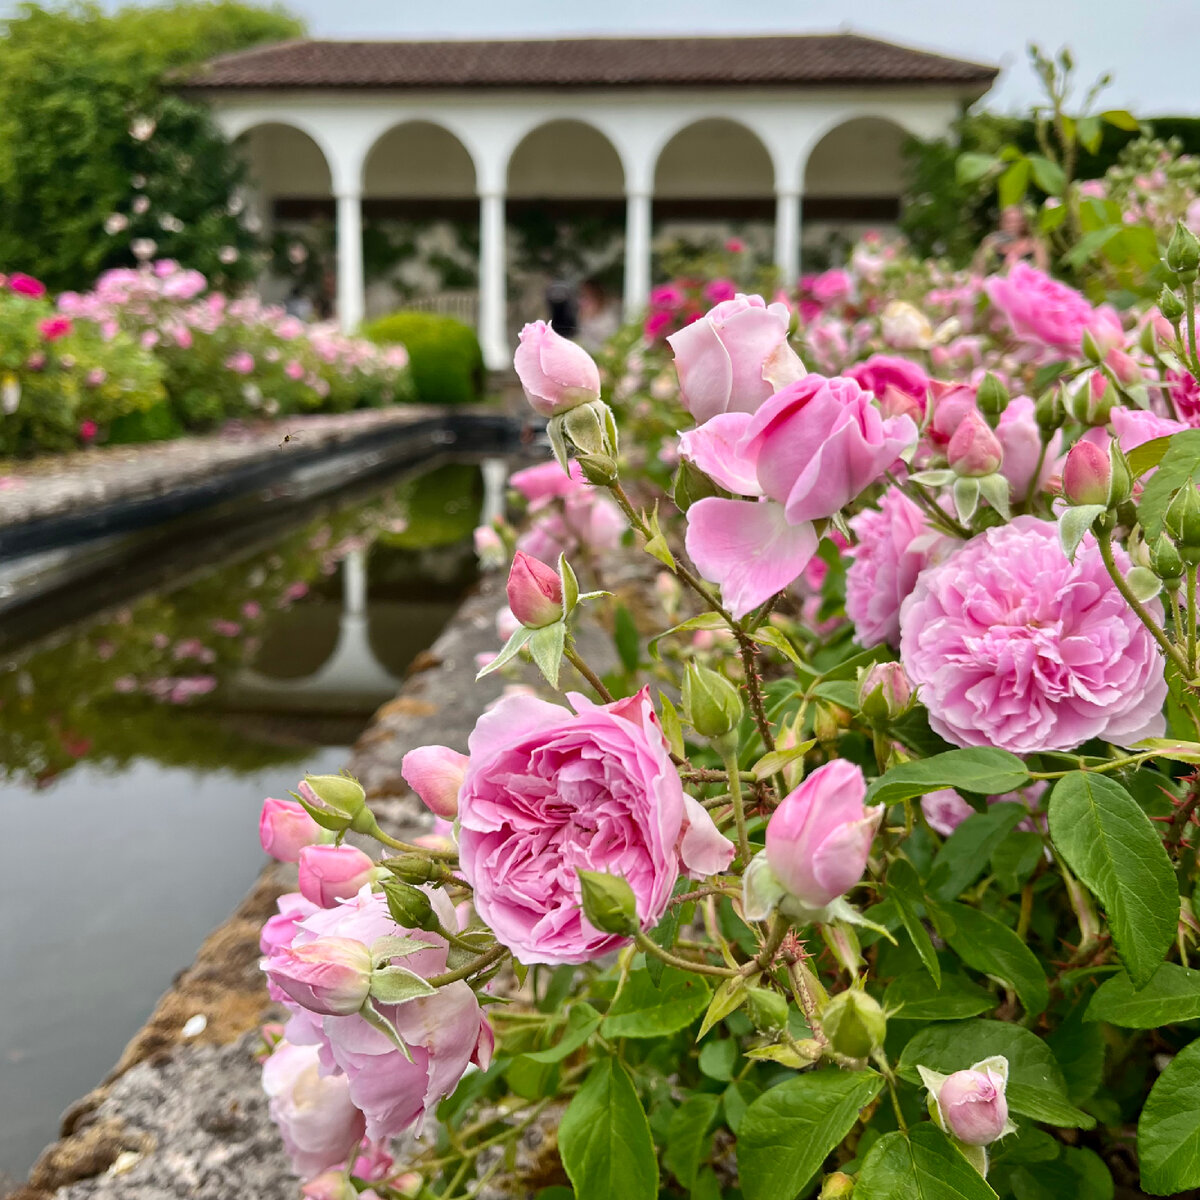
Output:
x=237 y=125
x=527 y=128
x=437 y=119
x=763 y=134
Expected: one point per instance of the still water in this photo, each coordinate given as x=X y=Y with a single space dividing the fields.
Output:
x=136 y=746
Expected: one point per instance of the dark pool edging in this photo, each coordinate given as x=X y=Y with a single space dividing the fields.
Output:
x=412 y=441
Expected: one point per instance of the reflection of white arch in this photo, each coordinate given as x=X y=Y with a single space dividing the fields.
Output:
x=638 y=125
x=352 y=668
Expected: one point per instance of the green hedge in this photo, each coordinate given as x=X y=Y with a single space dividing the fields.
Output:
x=444 y=355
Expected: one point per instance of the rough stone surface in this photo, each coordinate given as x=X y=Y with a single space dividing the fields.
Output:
x=61 y=483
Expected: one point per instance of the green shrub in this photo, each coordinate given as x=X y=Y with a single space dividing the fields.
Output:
x=444 y=355
x=156 y=424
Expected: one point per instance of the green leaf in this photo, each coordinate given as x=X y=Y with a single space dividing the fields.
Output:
x=970 y=168
x=511 y=649
x=984 y=770
x=914 y=997
x=1036 y=1087
x=604 y=1139
x=708 y=620
x=546 y=650
x=1078 y=1172
x=396 y=985
x=1110 y=843
x=904 y=890
x=1120 y=119
x=988 y=945
x=776 y=760
x=965 y=853
x=717 y=1059
x=672 y=727
x=1090 y=133
x=729 y=997
x=1013 y=183
x=787 y=1132
x=687 y=1137
x=1047 y=175
x=1171 y=996
x=625 y=635
x=645 y=1010
x=924 y=1165
x=1168 y=1132
x=582 y=1021
x=768 y=635
x=1080 y=1051
x=1180 y=464
x=736 y=1099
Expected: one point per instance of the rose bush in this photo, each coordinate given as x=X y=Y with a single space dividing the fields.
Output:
x=865 y=864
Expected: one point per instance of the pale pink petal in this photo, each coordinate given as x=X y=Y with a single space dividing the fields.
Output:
x=704 y=367
x=703 y=849
x=714 y=448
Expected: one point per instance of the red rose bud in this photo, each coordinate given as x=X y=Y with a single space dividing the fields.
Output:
x=974 y=450
x=1087 y=474
x=534 y=592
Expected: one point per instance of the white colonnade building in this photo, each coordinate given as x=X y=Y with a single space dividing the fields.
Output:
x=805 y=129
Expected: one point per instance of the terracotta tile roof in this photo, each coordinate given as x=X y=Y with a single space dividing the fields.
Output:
x=781 y=61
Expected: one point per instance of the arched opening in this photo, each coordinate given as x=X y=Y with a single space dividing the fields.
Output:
x=421 y=223
x=852 y=183
x=714 y=182
x=291 y=193
x=566 y=221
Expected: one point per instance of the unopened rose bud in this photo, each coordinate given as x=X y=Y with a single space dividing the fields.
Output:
x=767 y=1009
x=332 y=873
x=1093 y=401
x=992 y=398
x=970 y=1105
x=1090 y=348
x=710 y=702
x=1166 y=562
x=435 y=773
x=1182 y=520
x=557 y=375
x=1183 y=252
x=338 y=794
x=1049 y=412
x=1087 y=474
x=329 y=1185
x=974 y=450
x=331 y=975
x=884 y=692
x=534 y=592
x=284 y=829
x=608 y=902
x=838 y=1186
x=854 y=1023
x=407 y=905
x=1170 y=305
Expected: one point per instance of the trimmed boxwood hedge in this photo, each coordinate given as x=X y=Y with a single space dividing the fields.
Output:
x=444 y=355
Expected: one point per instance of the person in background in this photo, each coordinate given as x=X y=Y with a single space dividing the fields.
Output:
x=560 y=300
x=599 y=317
x=298 y=304
x=1013 y=242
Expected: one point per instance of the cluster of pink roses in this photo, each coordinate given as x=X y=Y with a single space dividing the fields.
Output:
x=371 y=1047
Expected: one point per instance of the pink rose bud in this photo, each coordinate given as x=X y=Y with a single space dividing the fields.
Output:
x=884 y=692
x=331 y=975
x=971 y=1105
x=332 y=873
x=284 y=829
x=1087 y=474
x=974 y=450
x=819 y=837
x=556 y=373
x=435 y=773
x=534 y=592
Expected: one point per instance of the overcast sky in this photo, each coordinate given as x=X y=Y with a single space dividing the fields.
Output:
x=1133 y=39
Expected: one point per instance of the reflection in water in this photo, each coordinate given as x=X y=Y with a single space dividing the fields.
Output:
x=135 y=750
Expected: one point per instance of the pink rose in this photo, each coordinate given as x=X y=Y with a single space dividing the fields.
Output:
x=534 y=592
x=1044 y=312
x=444 y=1032
x=715 y=448
x=734 y=357
x=1014 y=646
x=435 y=773
x=945 y=810
x=548 y=790
x=819 y=837
x=894 y=545
x=284 y=829
x=313 y=1112
x=330 y=873
x=1184 y=390
x=815 y=446
x=899 y=384
x=26 y=285
x=556 y=373
x=832 y=287
x=971 y=1105
x=241 y=362
x=53 y=328
x=330 y=975
x=951 y=403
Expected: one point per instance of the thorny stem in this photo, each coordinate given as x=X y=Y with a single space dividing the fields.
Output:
x=1104 y=538
x=754 y=687
x=573 y=657
x=1191 y=619
x=684 y=964
x=494 y=955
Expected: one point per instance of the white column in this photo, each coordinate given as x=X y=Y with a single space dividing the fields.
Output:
x=787 y=235
x=637 y=252
x=354 y=584
x=493 y=282
x=350 y=293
